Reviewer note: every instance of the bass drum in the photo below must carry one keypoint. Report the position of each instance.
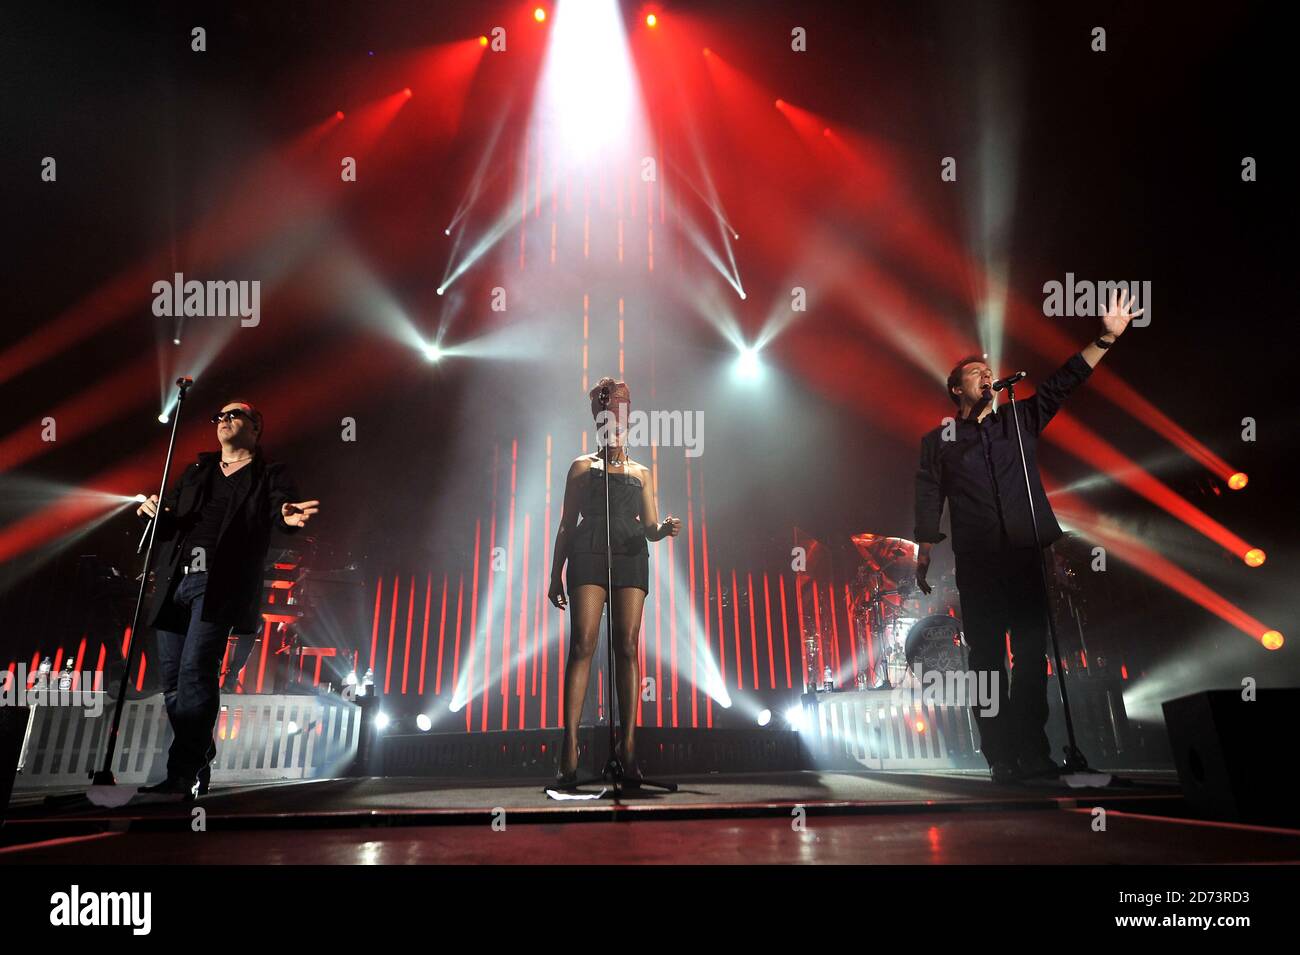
(936, 643)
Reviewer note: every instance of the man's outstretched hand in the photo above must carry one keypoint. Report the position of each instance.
(297, 515)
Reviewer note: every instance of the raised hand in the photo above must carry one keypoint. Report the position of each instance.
(1120, 312)
(297, 515)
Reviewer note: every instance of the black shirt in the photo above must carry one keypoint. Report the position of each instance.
(220, 493)
(978, 471)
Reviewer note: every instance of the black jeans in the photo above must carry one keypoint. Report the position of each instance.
(1002, 591)
(191, 671)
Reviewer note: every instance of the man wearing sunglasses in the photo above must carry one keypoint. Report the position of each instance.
(213, 534)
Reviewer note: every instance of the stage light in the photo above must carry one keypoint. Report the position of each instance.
(920, 726)
(446, 232)
(764, 717)
(482, 41)
(747, 367)
(424, 723)
(432, 352)
(707, 51)
(292, 728)
(587, 109)
(1253, 557)
(163, 418)
(780, 104)
(338, 114)
(140, 498)
(407, 92)
(539, 15)
(1238, 481)
(440, 290)
(1272, 640)
(381, 721)
(176, 341)
(651, 20)
(797, 718)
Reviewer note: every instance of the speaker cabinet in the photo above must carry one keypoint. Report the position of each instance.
(1232, 754)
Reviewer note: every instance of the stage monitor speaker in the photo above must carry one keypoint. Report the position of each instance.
(1232, 756)
(13, 726)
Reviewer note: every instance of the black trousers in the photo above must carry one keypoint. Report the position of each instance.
(191, 671)
(1002, 591)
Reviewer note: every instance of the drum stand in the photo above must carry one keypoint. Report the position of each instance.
(876, 633)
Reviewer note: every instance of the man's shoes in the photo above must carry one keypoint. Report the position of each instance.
(1004, 772)
(1037, 767)
(204, 781)
(171, 789)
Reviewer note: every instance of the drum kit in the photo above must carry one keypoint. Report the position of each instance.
(898, 629)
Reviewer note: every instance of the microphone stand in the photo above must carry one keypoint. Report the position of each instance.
(1075, 761)
(614, 773)
(105, 775)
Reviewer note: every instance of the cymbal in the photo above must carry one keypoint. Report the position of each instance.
(895, 557)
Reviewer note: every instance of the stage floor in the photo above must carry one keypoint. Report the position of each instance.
(917, 818)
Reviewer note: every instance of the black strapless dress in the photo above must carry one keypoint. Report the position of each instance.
(631, 558)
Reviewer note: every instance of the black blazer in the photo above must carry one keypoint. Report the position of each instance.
(234, 590)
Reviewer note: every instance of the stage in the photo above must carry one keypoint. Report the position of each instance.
(412, 405)
(847, 818)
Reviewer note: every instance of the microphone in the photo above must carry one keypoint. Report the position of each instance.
(1003, 383)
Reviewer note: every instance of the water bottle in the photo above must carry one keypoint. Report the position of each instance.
(43, 674)
(828, 680)
(65, 678)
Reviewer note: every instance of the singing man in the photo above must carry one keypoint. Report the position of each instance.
(978, 471)
(213, 535)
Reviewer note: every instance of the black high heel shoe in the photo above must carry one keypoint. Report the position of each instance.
(632, 775)
(565, 780)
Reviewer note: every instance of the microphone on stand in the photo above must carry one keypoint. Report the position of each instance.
(604, 403)
(1003, 383)
(184, 383)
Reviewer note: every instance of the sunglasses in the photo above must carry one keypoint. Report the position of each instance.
(231, 415)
